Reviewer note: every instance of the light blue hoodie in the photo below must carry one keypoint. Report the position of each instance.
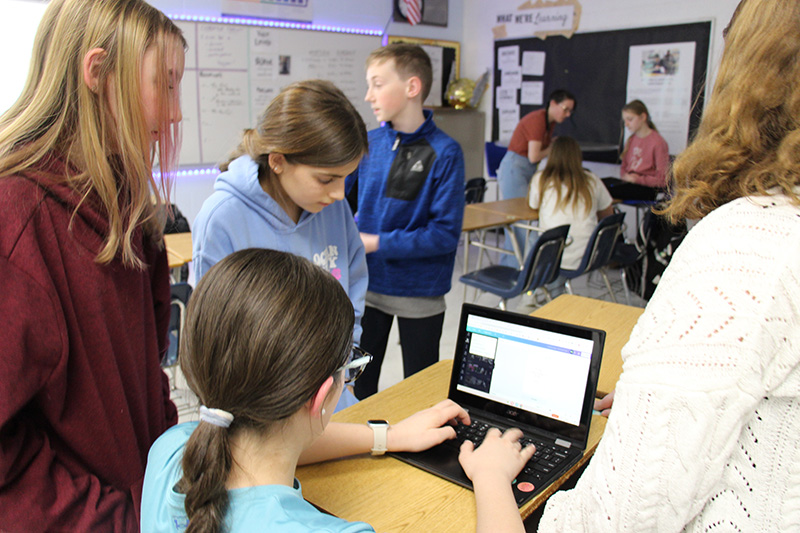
(241, 215)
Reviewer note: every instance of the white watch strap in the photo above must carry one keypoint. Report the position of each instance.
(379, 436)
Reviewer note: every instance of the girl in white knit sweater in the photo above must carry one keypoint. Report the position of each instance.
(702, 435)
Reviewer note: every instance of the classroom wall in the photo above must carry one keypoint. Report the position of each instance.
(190, 191)
(597, 15)
(373, 14)
(469, 23)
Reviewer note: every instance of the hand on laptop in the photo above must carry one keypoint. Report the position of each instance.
(604, 405)
(499, 456)
(426, 428)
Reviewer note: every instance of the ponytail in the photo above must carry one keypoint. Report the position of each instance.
(206, 464)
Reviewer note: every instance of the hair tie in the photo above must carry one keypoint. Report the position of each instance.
(216, 417)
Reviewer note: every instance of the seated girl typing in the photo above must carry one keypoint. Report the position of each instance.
(269, 367)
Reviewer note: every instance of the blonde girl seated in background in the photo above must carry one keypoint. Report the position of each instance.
(267, 349)
(565, 193)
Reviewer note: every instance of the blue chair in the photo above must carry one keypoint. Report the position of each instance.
(540, 268)
(181, 292)
(598, 251)
(494, 154)
(474, 191)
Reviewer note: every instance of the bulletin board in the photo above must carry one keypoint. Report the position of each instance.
(594, 67)
(445, 60)
(233, 71)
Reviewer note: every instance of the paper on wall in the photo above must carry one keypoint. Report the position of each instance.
(532, 93)
(508, 118)
(508, 57)
(505, 97)
(533, 63)
(660, 75)
(511, 78)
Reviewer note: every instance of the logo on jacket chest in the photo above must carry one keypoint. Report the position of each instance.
(327, 259)
(410, 170)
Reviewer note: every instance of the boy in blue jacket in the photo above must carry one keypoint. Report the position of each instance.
(410, 190)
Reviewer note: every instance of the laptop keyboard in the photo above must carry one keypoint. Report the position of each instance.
(546, 458)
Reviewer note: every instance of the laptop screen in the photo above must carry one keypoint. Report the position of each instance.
(534, 371)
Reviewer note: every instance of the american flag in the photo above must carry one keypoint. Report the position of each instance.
(412, 10)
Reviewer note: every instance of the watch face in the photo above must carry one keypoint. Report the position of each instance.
(377, 422)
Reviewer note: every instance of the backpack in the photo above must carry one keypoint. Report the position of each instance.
(176, 222)
(656, 242)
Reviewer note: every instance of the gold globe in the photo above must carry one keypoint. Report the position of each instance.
(460, 92)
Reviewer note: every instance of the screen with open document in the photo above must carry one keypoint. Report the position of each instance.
(539, 371)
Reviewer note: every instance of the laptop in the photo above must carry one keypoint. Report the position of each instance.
(513, 370)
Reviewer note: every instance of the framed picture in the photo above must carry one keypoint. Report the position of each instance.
(445, 60)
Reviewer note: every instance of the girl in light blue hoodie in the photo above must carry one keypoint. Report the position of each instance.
(282, 186)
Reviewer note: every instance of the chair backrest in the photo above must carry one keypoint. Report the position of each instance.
(544, 259)
(601, 243)
(494, 154)
(181, 292)
(474, 190)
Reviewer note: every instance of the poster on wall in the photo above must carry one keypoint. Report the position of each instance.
(299, 10)
(660, 75)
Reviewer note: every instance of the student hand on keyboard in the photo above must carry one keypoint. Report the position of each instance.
(499, 458)
(427, 428)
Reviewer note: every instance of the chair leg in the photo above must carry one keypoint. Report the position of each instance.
(608, 285)
(547, 294)
(568, 286)
(625, 288)
(503, 305)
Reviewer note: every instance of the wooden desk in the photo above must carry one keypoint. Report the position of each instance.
(392, 495)
(482, 216)
(516, 207)
(179, 248)
(616, 320)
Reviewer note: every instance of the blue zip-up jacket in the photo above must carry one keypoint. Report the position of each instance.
(239, 215)
(411, 194)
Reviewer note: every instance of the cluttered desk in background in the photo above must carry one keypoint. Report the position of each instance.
(394, 496)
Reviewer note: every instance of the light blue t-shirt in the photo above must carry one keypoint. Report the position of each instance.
(272, 508)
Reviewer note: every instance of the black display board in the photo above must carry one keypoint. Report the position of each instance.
(594, 67)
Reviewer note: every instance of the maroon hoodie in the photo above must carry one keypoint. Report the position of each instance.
(82, 395)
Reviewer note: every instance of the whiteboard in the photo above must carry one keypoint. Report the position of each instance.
(233, 71)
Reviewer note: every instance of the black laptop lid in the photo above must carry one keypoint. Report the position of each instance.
(535, 374)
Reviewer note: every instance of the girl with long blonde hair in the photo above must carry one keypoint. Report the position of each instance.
(565, 193)
(83, 270)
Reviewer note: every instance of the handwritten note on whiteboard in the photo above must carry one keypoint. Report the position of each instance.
(233, 72)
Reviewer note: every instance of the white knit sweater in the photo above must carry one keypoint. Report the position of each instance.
(704, 434)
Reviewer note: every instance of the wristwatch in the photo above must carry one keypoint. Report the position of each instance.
(380, 428)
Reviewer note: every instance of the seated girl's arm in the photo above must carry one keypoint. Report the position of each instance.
(492, 467)
(418, 432)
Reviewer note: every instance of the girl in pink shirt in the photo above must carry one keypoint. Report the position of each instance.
(645, 158)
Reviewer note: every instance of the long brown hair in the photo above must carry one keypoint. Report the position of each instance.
(264, 330)
(58, 114)
(310, 123)
(565, 168)
(749, 138)
(637, 107)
